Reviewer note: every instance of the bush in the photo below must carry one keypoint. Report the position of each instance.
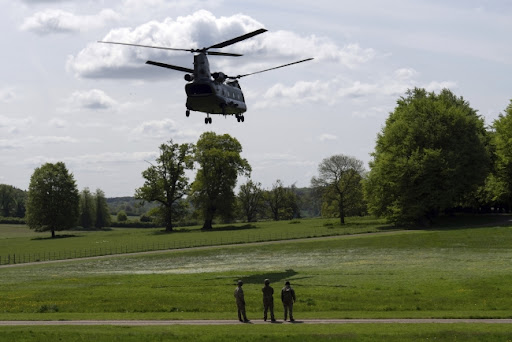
(121, 216)
(12, 220)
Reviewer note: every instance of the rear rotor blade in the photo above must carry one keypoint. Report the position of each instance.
(281, 66)
(146, 46)
(237, 39)
(214, 53)
(169, 66)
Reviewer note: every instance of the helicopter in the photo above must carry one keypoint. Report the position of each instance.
(207, 92)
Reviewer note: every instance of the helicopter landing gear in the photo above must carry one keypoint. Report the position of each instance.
(239, 118)
(187, 113)
(208, 120)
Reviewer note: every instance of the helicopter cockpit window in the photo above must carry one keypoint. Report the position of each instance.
(200, 89)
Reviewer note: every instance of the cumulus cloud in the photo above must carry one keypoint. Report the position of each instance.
(15, 125)
(7, 94)
(93, 99)
(327, 137)
(53, 21)
(203, 29)
(163, 129)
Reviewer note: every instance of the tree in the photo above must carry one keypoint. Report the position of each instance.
(87, 210)
(53, 199)
(250, 197)
(502, 143)
(121, 216)
(166, 182)
(12, 201)
(339, 181)
(220, 164)
(102, 211)
(282, 201)
(430, 156)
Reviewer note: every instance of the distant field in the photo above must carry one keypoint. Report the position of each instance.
(18, 244)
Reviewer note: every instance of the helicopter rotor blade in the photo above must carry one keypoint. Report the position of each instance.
(169, 66)
(146, 46)
(281, 66)
(237, 39)
(214, 53)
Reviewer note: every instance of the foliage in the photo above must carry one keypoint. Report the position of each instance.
(220, 164)
(87, 209)
(121, 216)
(282, 202)
(53, 199)
(431, 155)
(102, 211)
(340, 181)
(501, 181)
(166, 182)
(250, 197)
(12, 201)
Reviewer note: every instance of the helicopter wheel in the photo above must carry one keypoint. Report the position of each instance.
(242, 118)
(207, 120)
(237, 118)
(187, 113)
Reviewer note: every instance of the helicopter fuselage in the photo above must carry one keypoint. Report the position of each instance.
(215, 98)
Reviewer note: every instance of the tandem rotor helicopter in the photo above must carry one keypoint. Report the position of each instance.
(207, 92)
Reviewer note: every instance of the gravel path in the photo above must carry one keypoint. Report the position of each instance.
(231, 322)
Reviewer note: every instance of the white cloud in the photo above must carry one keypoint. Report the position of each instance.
(7, 94)
(53, 21)
(93, 99)
(163, 129)
(327, 137)
(203, 29)
(58, 123)
(15, 125)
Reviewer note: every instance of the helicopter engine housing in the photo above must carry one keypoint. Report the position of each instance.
(219, 77)
(189, 77)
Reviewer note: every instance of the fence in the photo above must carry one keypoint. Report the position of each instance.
(14, 258)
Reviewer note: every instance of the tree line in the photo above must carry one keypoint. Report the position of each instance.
(434, 156)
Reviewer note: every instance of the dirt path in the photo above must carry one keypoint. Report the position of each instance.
(232, 322)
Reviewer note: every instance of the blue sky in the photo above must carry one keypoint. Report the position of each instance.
(102, 111)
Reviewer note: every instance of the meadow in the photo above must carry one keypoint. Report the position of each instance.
(452, 271)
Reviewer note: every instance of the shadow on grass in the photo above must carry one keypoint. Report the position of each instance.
(466, 221)
(274, 277)
(231, 228)
(63, 236)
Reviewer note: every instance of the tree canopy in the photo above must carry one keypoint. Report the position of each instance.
(340, 181)
(431, 154)
(220, 164)
(166, 182)
(53, 199)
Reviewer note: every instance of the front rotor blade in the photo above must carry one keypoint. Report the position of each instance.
(237, 39)
(223, 54)
(169, 66)
(281, 66)
(146, 46)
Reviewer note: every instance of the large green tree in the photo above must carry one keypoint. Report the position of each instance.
(282, 202)
(430, 156)
(53, 199)
(102, 211)
(166, 182)
(12, 201)
(220, 164)
(87, 209)
(250, 197)
(340, 181)
(501, 180)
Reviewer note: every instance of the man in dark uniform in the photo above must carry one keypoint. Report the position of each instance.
(268, 301)
(288, 298)
(240, 302)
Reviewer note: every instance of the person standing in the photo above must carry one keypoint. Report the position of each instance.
(240, 302)
(288, 298)
(268, 301)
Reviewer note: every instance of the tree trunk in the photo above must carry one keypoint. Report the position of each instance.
(342, 211)
(168, 219)
(53, 234)
(207, 224)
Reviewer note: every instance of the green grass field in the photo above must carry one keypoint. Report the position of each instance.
(454, 271)
(18, 244)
